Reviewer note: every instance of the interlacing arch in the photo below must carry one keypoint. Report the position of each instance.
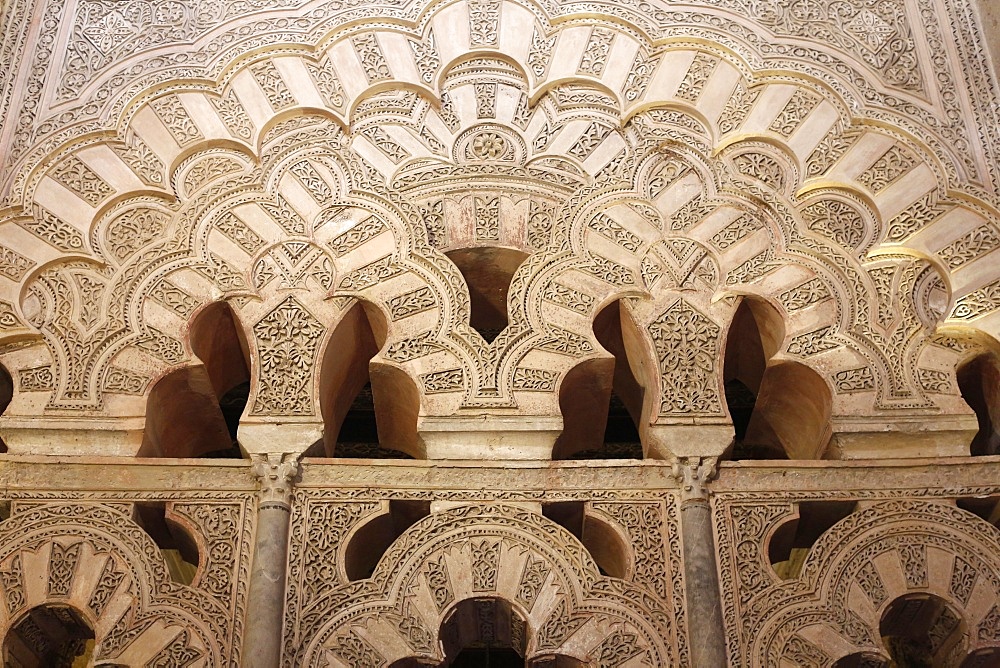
(676, 176)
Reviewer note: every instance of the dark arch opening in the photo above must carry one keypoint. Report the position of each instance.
(195, 411)
(921, 629)
(603, 543)
(861, 660)
(484, 632)
(743, 373)
(488, 272)
(55, 636)
(371, 541)
(780, 408)
(369, 409)
(178, 548)
(987, 657)
(979, 382)
(6, 395)
(791, 542)
(601, 400)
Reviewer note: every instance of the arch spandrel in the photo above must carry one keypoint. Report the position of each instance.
(797, 185)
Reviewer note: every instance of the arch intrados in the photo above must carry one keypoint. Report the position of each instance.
(672, 105)
(208, 145)
(389, 85)
(364, 329)
(549, 85)
(294, 111)
(32, 276)
(816, 191)
(202, 334)
(183, 418)
(479, 53)
(734, 146)
(768, 318)
(607, 545)
(584, 393)
(133, 198)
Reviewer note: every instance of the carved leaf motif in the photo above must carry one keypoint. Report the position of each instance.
(686, 343)
(287, 338)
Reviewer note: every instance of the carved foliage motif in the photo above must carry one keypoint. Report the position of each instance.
(288, 338)
(509, 553)
(562, 142)
(686, 343)
(765, 614)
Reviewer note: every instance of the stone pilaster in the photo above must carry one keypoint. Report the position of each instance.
(701, 573)
(265, 608)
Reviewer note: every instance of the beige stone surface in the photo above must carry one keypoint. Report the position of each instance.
(494, 236)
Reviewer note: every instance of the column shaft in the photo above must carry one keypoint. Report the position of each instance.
(706, 631)
(266, 597)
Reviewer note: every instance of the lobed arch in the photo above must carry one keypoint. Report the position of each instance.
(111, 571)
(637, 19)
(865, 562)
(413, 588)
(796, 122)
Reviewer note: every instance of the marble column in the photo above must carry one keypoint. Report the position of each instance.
(266, 598)
(706, 632)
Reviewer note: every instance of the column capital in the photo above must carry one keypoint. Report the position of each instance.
(275, 473)
(692, 473)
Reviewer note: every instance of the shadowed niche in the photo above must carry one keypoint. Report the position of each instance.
(607, 548)
(195, 411)
(488, 272)
(484, 631)
(55, 636)
(372, 539)
(921, 629)
(6, 395)
(979, 382)
(780, 408)
(178, 548)
(791, 542)
(369, 409)
(601, 400)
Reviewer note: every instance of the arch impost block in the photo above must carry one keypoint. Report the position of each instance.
(863, 437)
(671, 441)
(268, 438)
(73, 435)
(490, 437)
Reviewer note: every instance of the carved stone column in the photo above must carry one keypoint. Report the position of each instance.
(266, 599)
(706, 632)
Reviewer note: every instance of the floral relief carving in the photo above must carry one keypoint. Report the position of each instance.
(686, 343)
(288, 338)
